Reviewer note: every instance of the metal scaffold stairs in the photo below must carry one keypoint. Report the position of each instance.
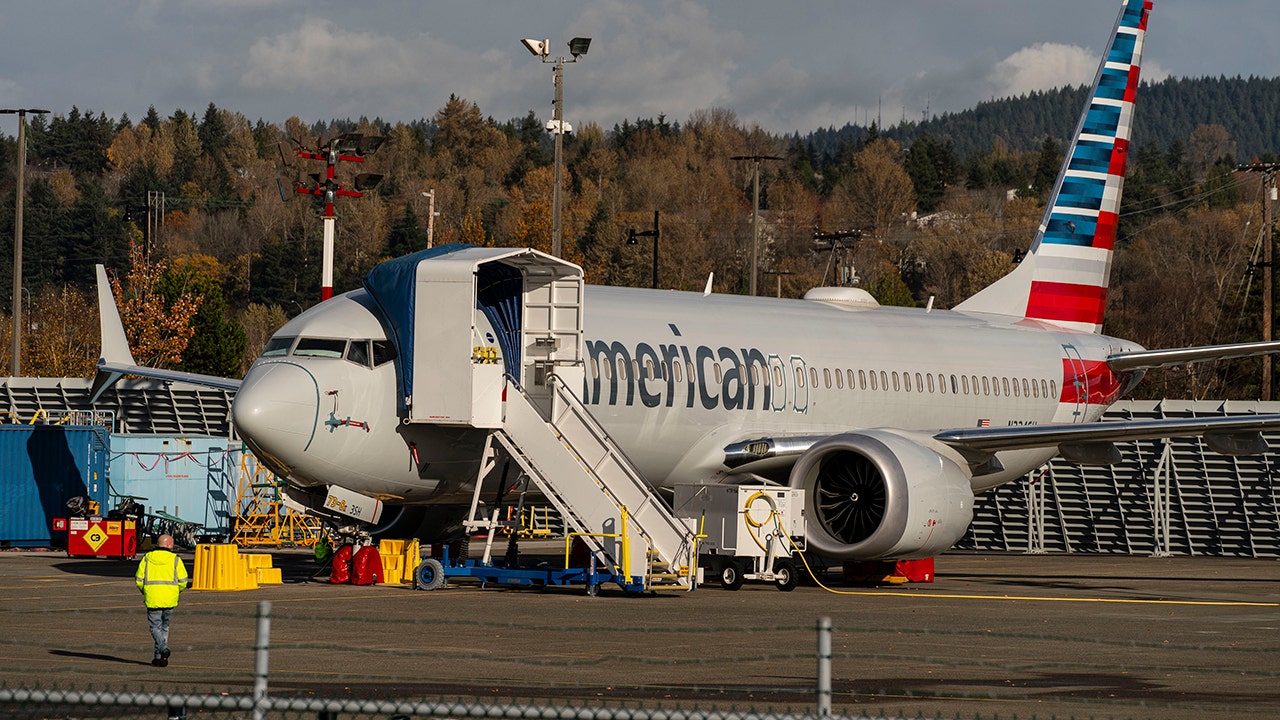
(575, 463)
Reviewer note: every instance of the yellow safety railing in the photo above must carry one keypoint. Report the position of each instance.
(626, 547)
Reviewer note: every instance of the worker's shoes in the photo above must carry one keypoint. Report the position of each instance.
(162, 661)
(164, 654)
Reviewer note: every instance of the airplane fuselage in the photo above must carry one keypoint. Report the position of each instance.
(675, 378)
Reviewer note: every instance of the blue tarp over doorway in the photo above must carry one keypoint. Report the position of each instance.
(392, 285)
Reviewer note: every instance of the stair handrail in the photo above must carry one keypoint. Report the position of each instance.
(583, 415)
(580, 410)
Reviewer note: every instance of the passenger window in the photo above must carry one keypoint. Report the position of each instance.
(920, 383)
(1053, 389)
(862, 380)
(964, 379)
(622, 368)
(1025, 391)
(608, 370)
(930, 376)
(873, 379)
(1004, 384)
(839, 380)
(896, 386)
(849, 375)
(799, 378)
(777, 376)
(813, 377)
(906, 381)
(677, 370)
(826, 377)
(319, 347)
(358, 352)
(986, 385)
(277, 347)
(715, 367)
(884, 381)
(384, 351)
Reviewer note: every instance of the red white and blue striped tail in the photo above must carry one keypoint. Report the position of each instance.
(1063, 279)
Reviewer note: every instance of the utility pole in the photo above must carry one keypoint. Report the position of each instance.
(1268, 171)
(837, 242)
(155, 216)
(431, 215)
(15, 361)
(755, 213)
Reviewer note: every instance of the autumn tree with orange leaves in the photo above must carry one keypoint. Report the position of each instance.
(158, 329)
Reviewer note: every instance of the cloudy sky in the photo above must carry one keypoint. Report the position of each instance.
(789, 65)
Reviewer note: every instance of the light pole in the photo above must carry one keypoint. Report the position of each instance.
(542, 49)
(655, 233)
(755, 211)
(15, 362)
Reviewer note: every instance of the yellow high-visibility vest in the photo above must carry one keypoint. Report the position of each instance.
(161, 576)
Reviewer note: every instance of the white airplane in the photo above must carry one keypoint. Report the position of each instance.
(891, 419)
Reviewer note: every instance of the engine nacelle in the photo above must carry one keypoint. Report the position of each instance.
(877, 494)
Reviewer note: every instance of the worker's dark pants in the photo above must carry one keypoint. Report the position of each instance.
(158, 619)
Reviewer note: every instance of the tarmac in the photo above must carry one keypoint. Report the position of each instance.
(996, 635)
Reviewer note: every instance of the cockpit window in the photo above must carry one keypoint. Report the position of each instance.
(319, 347)
(278, 346)
(383, 352)
(358, 352)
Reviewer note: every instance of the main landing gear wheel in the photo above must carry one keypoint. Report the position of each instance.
(429, 575)
(785, 576)
(730, 576)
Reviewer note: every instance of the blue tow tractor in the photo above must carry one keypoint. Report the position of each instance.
(433, 574)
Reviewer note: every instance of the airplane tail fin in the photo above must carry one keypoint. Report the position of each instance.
(1063, 278)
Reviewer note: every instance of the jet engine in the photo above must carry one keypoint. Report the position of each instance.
(878, 494)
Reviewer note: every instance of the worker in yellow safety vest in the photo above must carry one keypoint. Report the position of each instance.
(161, 577)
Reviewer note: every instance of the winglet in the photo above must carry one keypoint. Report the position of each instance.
(115, 345)
(710, 278)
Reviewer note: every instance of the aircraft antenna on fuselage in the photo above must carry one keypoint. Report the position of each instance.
(1063, 278)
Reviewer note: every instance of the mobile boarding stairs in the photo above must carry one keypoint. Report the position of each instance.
(531, 305)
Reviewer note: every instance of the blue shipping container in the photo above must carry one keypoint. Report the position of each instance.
(43, 466)
(192, 477)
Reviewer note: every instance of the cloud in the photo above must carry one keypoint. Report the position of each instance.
(649, 60)
(1043, 66)
(320, 53)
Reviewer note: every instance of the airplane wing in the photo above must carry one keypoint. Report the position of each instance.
(1092, 443)
(1083, 443)
(117, 360)
(1147, 359)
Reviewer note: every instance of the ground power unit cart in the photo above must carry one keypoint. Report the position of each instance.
(749, 532)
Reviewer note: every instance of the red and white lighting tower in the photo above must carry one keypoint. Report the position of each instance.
(348, 147)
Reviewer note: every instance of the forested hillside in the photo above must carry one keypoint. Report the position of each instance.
(196, 217)
(1169, 110)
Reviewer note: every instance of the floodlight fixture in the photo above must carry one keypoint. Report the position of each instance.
(541, 48)
(578, 46)
(367, 181)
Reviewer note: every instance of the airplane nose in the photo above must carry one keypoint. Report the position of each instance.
(276, 408)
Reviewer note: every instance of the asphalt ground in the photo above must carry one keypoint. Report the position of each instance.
(1048, 636)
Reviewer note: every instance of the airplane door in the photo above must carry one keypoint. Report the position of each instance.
(1075, 382)
(799, 375)
(778, 377)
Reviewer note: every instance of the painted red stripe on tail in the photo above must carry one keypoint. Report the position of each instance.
(1131, 87)
(1066, 302)
(1104, 235)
